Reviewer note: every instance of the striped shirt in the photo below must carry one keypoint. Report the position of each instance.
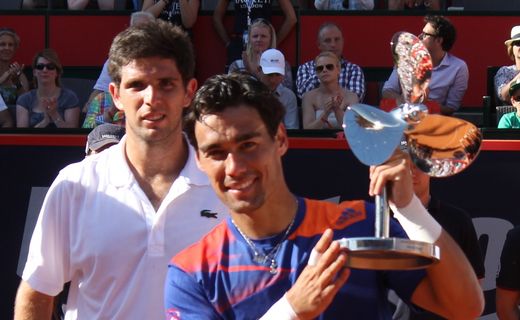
(217, 277)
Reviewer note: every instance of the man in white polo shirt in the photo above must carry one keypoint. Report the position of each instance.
(272, 73)
(110, 223)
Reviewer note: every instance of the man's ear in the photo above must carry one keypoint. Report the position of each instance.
(114, 92)
(191, 88)
(282, 139)
(440, 39)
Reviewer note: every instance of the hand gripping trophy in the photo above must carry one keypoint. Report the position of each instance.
(438, 145)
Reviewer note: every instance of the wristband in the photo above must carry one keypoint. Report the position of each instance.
(281, 310)
(417, 221)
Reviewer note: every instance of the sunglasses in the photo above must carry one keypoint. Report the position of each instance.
(423, 35)
(328, 66)
(49, 66)
(516, 98)
(516, 44)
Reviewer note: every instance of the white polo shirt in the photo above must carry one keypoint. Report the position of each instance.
(98, 230)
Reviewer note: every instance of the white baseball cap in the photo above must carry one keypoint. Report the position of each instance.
(272, 61)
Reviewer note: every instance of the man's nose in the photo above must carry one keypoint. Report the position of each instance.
(235, 164)
(151, 94)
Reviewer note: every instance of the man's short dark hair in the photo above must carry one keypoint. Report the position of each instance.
(153, 39)
(230, 91)
(444, 29)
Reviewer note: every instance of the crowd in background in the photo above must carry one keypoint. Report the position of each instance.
(214, 4)
(252, 34)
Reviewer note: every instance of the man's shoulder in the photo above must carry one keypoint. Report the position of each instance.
(455, 61)
(346, 64)
(336, 215)
(307, 66)
(94, 165)
(284, 91)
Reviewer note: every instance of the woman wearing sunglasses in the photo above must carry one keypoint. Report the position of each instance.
(261, 36)
(49, 105)
(323, 107)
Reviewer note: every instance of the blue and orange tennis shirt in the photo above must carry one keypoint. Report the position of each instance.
(217, 277)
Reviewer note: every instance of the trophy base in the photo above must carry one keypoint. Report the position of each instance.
(389, 253)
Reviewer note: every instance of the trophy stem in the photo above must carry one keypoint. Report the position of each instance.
(382, 217)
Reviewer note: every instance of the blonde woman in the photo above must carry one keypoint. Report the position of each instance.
(49, 105)
(323, 107)
(261, 36)
(12, 80)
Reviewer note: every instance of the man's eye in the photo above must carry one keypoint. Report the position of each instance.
(136, 85)
(248, 145)
(167, 84)
(216, 154)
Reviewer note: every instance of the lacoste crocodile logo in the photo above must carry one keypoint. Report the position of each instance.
(208, 214)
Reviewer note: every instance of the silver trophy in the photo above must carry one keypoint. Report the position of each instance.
(438, 145)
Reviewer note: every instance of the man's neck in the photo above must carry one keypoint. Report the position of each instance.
(437, 57)
(155, 167)
(271, 219)
(148, 158)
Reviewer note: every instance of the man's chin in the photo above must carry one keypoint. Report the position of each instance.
(242, 206)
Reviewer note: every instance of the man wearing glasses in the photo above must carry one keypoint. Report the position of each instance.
(450, 74)
(351, 77)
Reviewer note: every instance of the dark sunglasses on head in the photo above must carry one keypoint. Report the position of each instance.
(49, 66)
(328, 66)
